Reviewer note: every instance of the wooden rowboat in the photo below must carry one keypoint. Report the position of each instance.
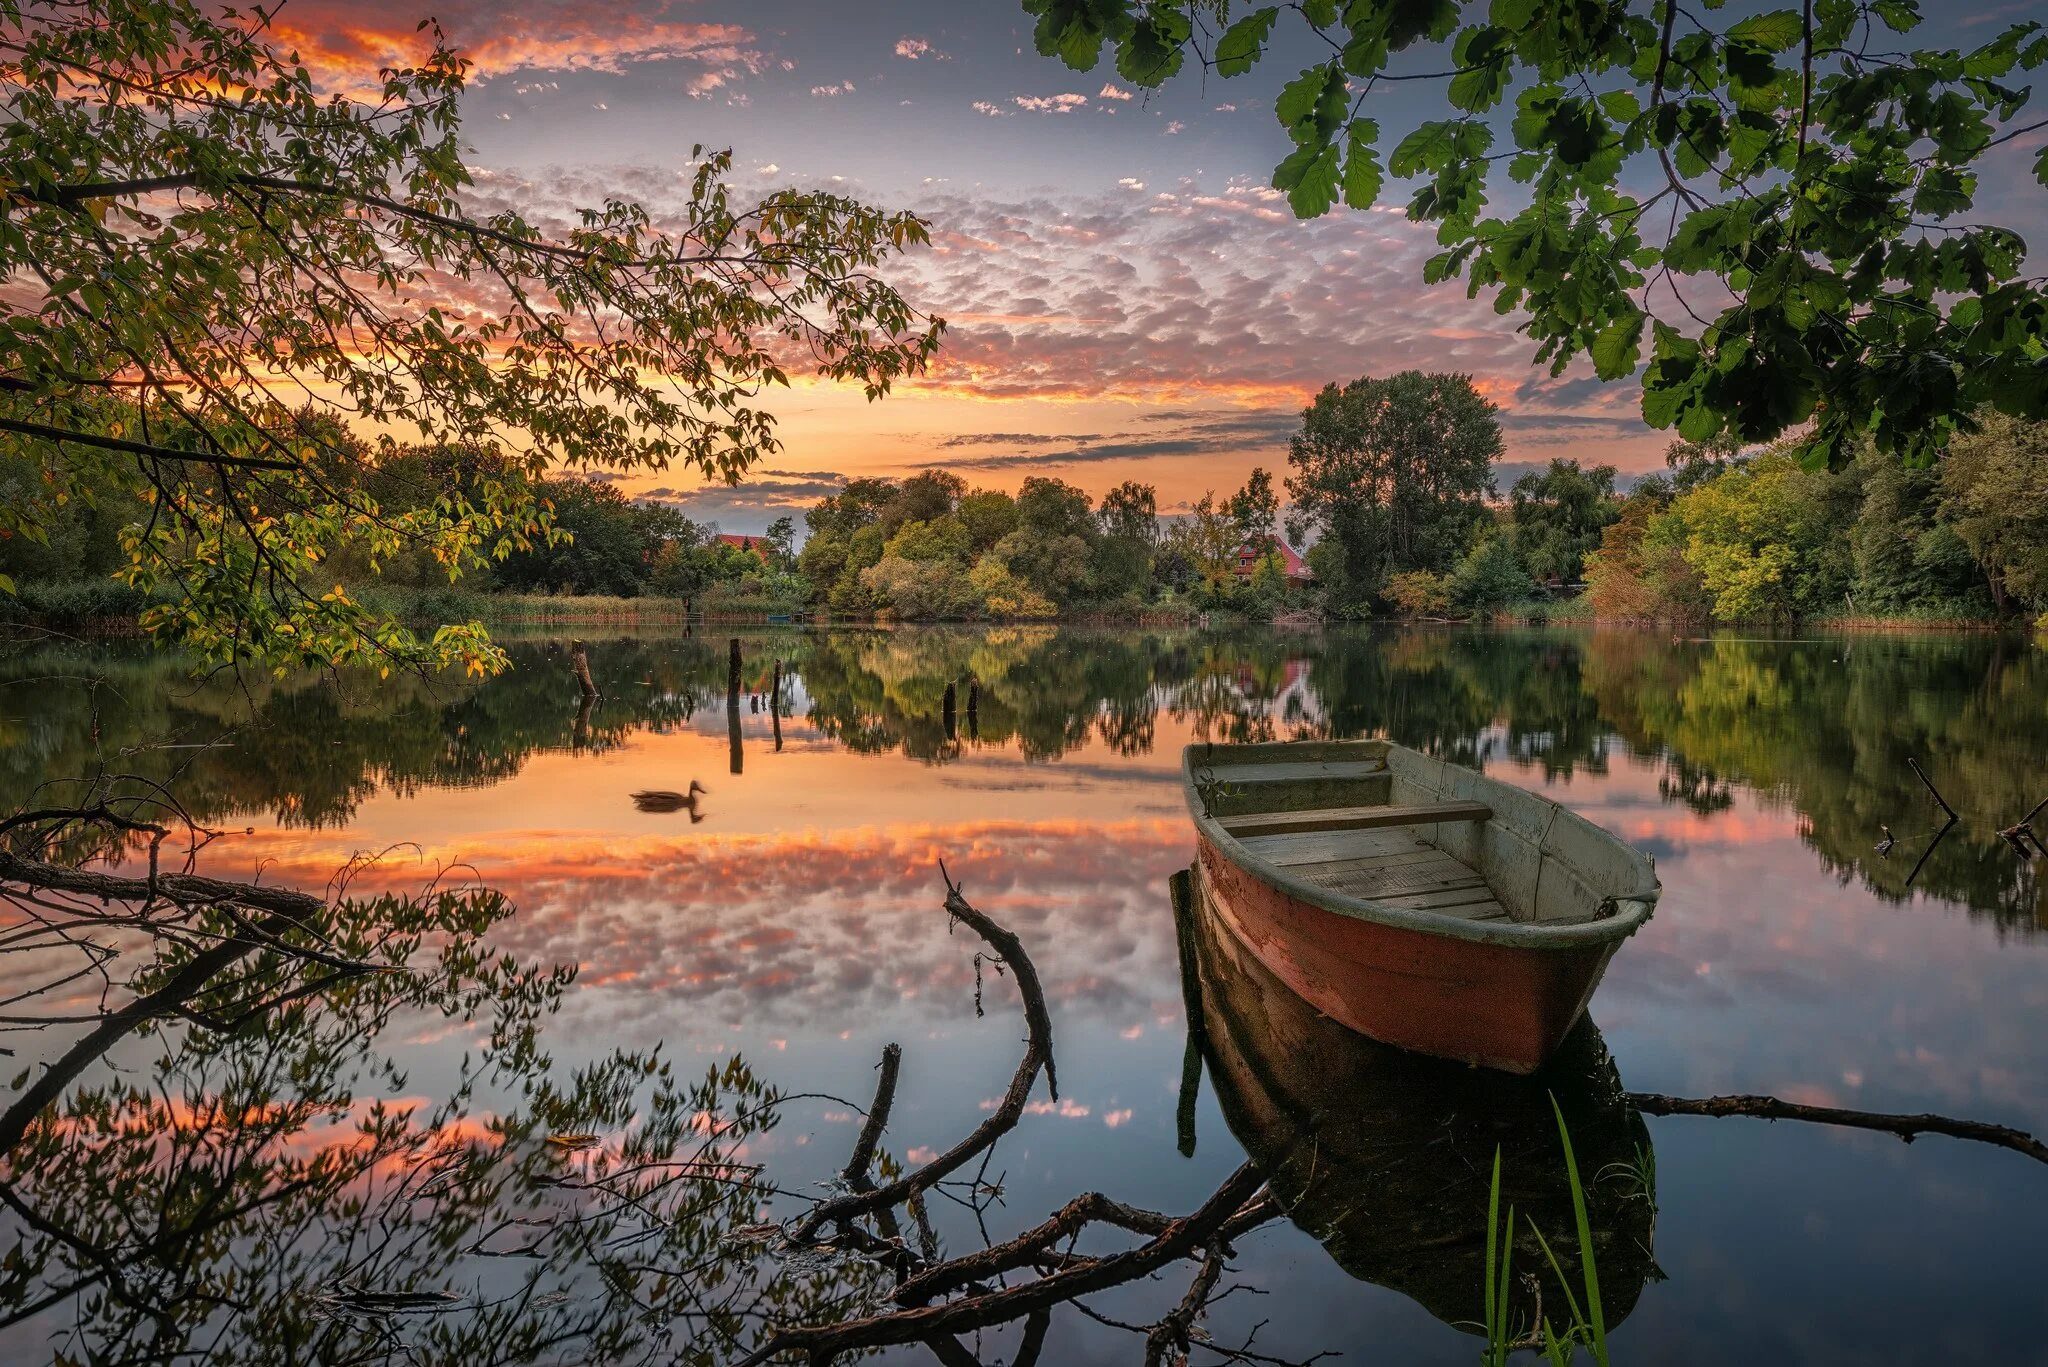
(1414, 901)
(1386, 1157)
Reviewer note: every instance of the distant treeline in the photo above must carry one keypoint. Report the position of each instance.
(1391, 480)
(1728, 536)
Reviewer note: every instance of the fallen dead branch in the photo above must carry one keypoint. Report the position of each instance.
(1906, 1127)
(936, 1300)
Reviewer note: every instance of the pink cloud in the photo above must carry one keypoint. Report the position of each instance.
(347, 45)
(1050, 104)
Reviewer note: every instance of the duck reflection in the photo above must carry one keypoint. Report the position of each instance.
(1386, 1157)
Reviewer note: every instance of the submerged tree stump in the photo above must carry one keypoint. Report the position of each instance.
(579, 659)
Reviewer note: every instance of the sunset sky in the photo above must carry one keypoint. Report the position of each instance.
(1126, 298)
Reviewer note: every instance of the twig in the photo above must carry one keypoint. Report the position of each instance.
(855, 1175)
(1906, 1127)
(1037, 1058)
(1180, 1238)
(1915, 767)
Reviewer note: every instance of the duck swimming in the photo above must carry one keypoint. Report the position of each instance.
(663, 800)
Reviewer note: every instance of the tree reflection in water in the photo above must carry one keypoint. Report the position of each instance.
(240, 1171)
(1823, 727)
(218, 1159)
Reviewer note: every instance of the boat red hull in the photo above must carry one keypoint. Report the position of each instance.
(1500, 1006)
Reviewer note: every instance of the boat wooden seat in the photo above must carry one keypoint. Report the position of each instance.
(1296, 771)
(1354, 818)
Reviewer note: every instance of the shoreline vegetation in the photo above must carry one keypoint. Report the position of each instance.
(92, 608)
(1403, 519)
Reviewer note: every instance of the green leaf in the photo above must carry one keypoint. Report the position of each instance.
(1514, 14)
(1773, 32)
(1362, 177)
(1481, 55)
(1154, 51)
(1943, 191)
(1244, 42)
(1431, 147)
(1310, 178)
(1298, 97)
(1617, 347)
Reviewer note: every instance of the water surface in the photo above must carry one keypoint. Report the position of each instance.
(796, 920)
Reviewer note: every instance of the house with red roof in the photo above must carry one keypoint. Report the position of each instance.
(1245, 560)
(759, 545)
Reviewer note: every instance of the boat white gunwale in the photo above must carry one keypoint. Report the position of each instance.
(1631, 910)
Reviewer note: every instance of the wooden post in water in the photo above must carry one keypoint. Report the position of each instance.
(732, 731)
(732, 704)
(946, 711)
(775, 689)
(579, 658)
(973, 708)
(579, 733)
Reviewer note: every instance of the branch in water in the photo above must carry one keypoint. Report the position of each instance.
(1906, 1127)
(1037, 1056)
(938, 1300)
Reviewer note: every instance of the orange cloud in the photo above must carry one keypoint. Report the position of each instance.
(346, 45)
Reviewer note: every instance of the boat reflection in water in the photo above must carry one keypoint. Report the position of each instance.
(1385, 1157)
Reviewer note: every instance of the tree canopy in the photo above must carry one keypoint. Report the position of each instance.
(1558, 514)
(1391, 474)
(230, 271)
(1771, 215)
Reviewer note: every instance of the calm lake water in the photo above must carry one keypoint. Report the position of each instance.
(797, 921)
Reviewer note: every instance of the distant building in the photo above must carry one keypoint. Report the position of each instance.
(759, 545)
(1292, 565)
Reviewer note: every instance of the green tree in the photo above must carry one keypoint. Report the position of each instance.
(609, 546)
(191, 223)
(944, 538)
(1053, 565)
(1489, 576)
(989, 515)
(1558, 516)
(782, 536)
(1122, 558)
(1822, 178)
(1131, 510)
(857, 505)
(1766, 538)
(924, 497)
(1392, 474)
(1056, 508)
(1207, 540)
(1693, 463)
(1906, 560)
(1994, 492)
(1255, 509)
(920, 590)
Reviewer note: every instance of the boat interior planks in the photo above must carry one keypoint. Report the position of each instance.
(1420, 880)
(1300, 771)
(1418, 902)
(1315, 847)
(1355, 818)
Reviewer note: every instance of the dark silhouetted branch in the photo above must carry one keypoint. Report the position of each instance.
(1906, 1127)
